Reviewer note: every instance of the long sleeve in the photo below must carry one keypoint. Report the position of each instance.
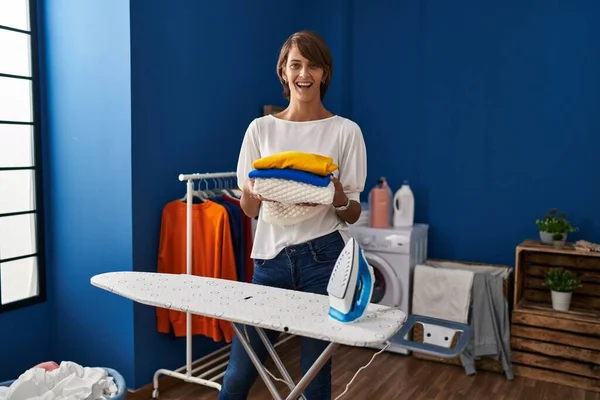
(249, 152)
(353, 162)
(226, 267)
(162, 314)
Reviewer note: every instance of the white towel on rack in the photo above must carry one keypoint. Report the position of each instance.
(442, 293)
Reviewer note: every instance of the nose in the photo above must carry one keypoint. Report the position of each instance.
(304, 71)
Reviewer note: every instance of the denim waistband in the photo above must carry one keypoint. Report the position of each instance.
(316, 243)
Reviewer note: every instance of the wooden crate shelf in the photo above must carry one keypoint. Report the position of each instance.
(534, 259)
(550, 345)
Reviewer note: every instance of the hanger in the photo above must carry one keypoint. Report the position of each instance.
(235, 193)
(224, 188)
(200, 194)
(195, 193)
(206, 194)
(209, 192)
(231, 192)
(217, 190)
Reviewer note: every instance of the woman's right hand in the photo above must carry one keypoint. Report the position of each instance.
(250, 202)
(248, 190)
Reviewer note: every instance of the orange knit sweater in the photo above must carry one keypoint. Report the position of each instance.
(212, 256)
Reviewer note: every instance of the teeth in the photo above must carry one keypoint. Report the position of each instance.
(304, 84)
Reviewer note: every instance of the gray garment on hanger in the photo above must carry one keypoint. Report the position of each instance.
(489, 321)
(489, 316)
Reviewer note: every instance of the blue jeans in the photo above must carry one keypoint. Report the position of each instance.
(305, 267)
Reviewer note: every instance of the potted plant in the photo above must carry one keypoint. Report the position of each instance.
(554, 222)
(561, 282)
(557, 239)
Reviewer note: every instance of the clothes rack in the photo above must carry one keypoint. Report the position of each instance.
(187, 373)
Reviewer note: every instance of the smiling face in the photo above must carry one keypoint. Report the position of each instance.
(304, 77)
(305, 67)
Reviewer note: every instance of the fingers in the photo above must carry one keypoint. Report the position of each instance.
(336, 183)
(339, 190)
(256, 196)
(248, 186)
(248, 190)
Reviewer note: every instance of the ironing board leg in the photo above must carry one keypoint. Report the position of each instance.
(259, 367)
(302, 384)
(312, 371)
(276, 359)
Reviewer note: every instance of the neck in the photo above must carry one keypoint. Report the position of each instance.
(301, 111)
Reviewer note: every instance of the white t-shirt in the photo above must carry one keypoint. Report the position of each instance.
(336, 137)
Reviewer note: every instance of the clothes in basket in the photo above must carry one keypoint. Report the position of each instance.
(69, 380)
(489, 315)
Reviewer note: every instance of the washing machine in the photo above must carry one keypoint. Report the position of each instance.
(393, 254)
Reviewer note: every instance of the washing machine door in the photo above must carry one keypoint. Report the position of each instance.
(386, 289)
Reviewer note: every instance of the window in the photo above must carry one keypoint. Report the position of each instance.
(22, 270)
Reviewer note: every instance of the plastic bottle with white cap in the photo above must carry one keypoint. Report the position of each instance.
(404, 207)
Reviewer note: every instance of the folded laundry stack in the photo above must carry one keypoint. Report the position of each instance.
(288, 181)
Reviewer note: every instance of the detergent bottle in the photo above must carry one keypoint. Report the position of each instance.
(380, 204)
(404, 207)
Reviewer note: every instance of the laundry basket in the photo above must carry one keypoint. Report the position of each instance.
(484, 363)
(118, 379)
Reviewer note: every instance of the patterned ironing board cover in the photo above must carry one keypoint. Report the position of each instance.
(277, 309)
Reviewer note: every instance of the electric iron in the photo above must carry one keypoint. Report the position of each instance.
(351, 284)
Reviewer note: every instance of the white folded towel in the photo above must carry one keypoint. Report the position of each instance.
(442, 293)
(287, 195)
(290, 192)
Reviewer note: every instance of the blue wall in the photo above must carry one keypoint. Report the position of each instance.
(26, 337)
(196, 85)
(86, 119)
(488, 112)
(87, 134)
(199, 76)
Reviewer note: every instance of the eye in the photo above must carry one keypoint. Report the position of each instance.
(294, 65)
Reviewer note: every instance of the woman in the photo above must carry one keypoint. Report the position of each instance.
(301, 256)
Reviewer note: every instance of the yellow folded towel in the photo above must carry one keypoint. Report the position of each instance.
(309, 162)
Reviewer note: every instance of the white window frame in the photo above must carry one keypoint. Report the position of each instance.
(37, 209)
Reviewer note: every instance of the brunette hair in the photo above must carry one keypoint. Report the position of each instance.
(312, 47)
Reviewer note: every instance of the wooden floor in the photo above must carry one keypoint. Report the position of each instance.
(392, 376)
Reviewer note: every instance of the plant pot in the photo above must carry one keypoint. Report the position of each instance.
(558, 244)
(546, 238)
(561, 301)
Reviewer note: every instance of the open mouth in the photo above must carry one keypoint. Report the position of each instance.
(303, 85)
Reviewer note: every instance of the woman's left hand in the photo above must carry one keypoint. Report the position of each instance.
(339, 197)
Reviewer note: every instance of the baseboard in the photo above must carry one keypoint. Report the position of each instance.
(145, 392)
(166, 382)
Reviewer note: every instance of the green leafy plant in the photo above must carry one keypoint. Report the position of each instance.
(557, 236)
(561, 280)
(555, 222)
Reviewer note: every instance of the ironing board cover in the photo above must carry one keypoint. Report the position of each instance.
(277, 309)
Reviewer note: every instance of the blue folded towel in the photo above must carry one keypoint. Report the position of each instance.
(292, 175)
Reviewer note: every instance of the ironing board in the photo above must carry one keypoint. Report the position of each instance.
(263, 307)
